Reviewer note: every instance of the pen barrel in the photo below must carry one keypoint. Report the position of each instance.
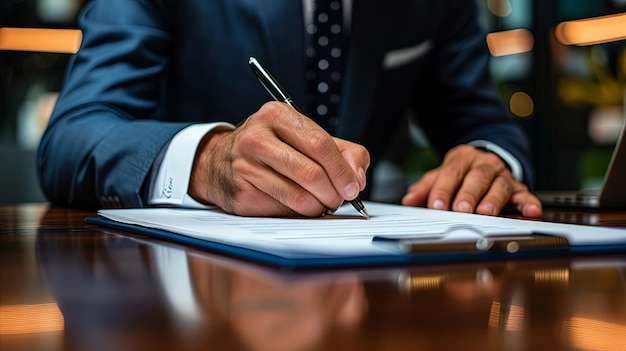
(270, 83)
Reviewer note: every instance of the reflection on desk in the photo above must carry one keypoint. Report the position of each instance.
(607, 218)
(123, 292)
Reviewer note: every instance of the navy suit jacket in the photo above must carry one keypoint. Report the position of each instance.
(148, 68)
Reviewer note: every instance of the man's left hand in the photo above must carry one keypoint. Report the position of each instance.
(473, 181)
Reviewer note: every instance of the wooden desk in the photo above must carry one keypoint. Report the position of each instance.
(67, 285)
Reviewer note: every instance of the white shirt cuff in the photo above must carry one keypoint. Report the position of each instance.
(510, 160)
(172, 168)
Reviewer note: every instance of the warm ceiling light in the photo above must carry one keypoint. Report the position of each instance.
(509, 42)
(63, 41)
(592, 30)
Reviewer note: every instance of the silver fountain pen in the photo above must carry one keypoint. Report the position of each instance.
(280, 94)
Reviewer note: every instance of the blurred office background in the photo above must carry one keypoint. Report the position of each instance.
(29, 82)
(564, 81)
(562, 78)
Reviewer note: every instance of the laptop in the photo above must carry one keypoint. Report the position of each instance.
(612, 194)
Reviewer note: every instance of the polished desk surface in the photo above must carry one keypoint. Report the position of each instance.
(68, 285)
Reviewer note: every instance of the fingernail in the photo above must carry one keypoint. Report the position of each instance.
(487, 208)
(351, 191)
(438, 205)
(531, 211)
(464, 206)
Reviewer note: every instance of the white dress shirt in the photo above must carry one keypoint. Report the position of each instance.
(171, 171)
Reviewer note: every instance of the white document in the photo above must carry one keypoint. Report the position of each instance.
(346, 233)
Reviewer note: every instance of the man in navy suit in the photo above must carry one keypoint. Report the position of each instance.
(159, 107)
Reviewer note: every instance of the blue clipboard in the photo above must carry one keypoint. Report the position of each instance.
(397, 255)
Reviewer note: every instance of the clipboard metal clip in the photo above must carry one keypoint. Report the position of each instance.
(469, 239)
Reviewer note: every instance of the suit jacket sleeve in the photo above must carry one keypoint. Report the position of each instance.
(100, 144)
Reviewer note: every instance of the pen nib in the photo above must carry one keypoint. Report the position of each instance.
(364, 213)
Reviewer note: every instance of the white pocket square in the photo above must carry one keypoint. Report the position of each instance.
(401, 57)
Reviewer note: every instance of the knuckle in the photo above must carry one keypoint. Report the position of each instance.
(459, 150)
(462, 152)
(311, 174)
(249, 141)
(464, 148)
(320, 141)
(491, 157)
(278, 113)
(270, 113)
(300, 202)
(270, 108)
(483, 174)
(238, 166)
(339, 171)
(484, 168)
(493, 160)
(452, 170)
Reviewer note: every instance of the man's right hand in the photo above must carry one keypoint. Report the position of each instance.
(278, 162)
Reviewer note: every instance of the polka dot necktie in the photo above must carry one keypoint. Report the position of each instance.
(325, 55)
